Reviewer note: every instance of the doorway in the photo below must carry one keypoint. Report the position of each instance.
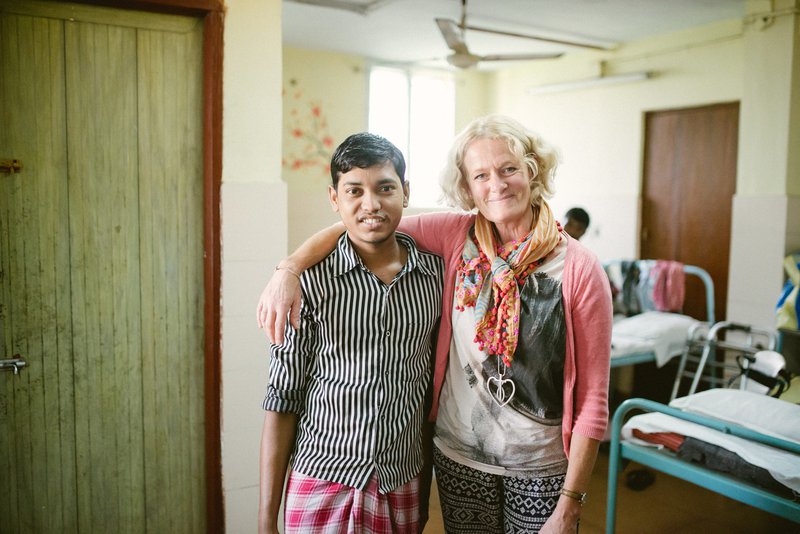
(689, 180)
(687, 194)
(101, 254)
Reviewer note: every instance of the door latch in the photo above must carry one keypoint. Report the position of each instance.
(10, 166)
(14, 364)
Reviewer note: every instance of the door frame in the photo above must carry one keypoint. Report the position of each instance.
(212, 12)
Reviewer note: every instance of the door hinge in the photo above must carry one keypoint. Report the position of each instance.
(10, 166)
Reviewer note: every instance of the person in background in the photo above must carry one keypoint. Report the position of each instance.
(576, 222)
(520, 398)
(346, 392)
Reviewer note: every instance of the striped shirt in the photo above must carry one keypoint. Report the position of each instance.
(357, 370)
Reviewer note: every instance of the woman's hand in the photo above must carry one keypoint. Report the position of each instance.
(582, 455)
(280, 298)
(564, 519)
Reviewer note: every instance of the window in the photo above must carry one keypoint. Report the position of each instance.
(415, 110)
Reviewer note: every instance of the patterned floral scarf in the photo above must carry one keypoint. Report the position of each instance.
(491, 275)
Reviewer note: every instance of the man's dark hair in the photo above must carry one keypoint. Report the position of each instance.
(364, 150)
(579, 215)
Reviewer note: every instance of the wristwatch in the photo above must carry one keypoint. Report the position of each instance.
(579, 496)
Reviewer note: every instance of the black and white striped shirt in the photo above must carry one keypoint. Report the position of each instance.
(357, 371)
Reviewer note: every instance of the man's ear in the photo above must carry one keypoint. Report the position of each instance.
(406, 191)
(333, 198)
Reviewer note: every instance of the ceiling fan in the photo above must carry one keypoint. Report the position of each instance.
(454, 33)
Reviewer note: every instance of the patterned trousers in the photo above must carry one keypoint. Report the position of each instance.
(474, 502)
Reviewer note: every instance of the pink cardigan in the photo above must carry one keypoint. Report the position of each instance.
(587, 311)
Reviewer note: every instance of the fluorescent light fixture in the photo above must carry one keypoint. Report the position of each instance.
(361, 7)
(589, 82)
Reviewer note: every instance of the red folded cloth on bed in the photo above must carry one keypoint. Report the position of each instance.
(670, 440)
(668, 285)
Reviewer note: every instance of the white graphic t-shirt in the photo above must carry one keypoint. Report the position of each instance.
(476, 426)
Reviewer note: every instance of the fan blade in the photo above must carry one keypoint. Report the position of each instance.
(539, 38)
(452, 35)
(514, 57)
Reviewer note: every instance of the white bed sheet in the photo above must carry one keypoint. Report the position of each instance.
(662, 333)
(757, 412)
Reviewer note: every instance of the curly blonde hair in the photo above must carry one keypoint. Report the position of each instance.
(528, 147)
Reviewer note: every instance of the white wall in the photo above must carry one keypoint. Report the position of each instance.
(324, 99)
(254, 230)
(599, 130)
(766, 208)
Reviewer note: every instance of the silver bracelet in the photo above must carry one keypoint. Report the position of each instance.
(279, 268)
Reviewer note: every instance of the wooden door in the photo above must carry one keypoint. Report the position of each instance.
(102, 274)
(687, 194)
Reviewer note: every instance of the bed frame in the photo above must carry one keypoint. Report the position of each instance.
(667, 462)
(644, 357)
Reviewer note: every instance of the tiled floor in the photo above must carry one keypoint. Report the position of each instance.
(668, 506)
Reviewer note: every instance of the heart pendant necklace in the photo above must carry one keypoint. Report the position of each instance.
(496, 386)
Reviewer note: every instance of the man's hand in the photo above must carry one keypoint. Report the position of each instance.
(266, 526)
(280, 298)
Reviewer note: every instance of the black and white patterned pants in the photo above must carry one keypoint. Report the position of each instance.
(474, 502)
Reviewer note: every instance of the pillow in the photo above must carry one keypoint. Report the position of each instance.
(666, 333)
(656, 325)
(761, 413)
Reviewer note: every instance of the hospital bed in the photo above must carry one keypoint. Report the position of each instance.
(734, 440)
(776, 447)
(654, 336)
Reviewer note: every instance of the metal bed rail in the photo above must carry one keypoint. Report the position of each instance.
(699, 272)
(709, 288)
(706, 344)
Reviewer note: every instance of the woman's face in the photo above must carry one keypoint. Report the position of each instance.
(499, 184)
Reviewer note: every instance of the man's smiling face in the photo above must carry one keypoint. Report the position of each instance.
(370, 202)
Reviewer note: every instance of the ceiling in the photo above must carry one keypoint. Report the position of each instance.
(404, 30)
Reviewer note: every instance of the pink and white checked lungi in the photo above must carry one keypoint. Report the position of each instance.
(322, 507)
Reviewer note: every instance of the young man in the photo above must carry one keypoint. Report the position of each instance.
(345, 399)
(576, 222)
